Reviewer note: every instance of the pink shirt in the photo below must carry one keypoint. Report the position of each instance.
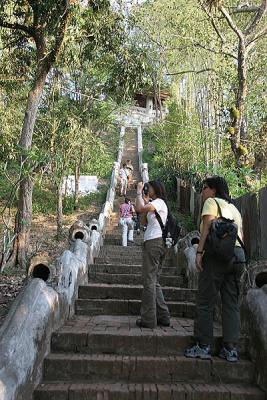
(126, 210)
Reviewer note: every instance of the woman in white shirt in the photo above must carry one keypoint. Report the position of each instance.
(129, 167)
(154, 310)
(123, 173)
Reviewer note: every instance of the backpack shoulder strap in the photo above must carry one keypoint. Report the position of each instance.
(219, 207)
(159, 220)
(159, 217)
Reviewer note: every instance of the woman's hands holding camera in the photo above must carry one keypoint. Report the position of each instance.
(140, 187)
(142, 192)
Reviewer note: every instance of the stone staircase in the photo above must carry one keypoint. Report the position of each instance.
(100, 354)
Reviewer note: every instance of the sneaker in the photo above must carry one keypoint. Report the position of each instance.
(142, 324)
(163, 323)
(229, 355)
(198, 352)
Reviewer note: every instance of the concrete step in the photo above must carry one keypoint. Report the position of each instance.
(125, 292)
(114, 217)
(125, 269)
(120, 250)
(119, 335)
(134, 279)
(131, 307)
(147, 391)
(113, 229)
(116, 240)
(126, 260)
(116, 230)
(69, 367)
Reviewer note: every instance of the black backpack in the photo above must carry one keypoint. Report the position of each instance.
(170, 231)
(222, 237)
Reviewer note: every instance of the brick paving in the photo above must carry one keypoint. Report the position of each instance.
(100, 354)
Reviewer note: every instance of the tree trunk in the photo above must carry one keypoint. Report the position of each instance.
(24, 219)
(239, 135)
(260, 164)
(155, 98)
(242, 90)
(66, 187)
(59, 210)
(159, 101)
(217, 133)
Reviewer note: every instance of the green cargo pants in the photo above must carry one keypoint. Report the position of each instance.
(217, 277)
(154, 307)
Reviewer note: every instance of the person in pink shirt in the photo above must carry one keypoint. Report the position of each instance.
(126, 221)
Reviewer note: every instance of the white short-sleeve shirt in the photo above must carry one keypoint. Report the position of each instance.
(153, 230)
(123, 173)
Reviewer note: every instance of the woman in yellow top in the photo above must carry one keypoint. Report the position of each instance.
(216, 275)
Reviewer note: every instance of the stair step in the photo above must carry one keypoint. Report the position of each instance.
(126, 269)
(132, 253)
(147, 391)
(120, 250)
(120, 335)
(131, 307)
(152, 369)
(114, 229)
(118, 260)
(125, 292)
(131, 193)
(116, 239)
(134, 279)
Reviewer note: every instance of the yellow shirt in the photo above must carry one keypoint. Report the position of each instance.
(228, 211)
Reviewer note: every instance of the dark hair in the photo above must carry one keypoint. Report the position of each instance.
(126, 200)
(124, 165)
(220, 185)
(159, 189)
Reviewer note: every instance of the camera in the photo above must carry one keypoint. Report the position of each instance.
(146, 189)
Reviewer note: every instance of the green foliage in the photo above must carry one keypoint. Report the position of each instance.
(84, 202)
(105, 59)
(45, 200)
(172, 149)
(5, 187)
(185, 220)
(177, 143)
(75, 125)
(188, 42)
